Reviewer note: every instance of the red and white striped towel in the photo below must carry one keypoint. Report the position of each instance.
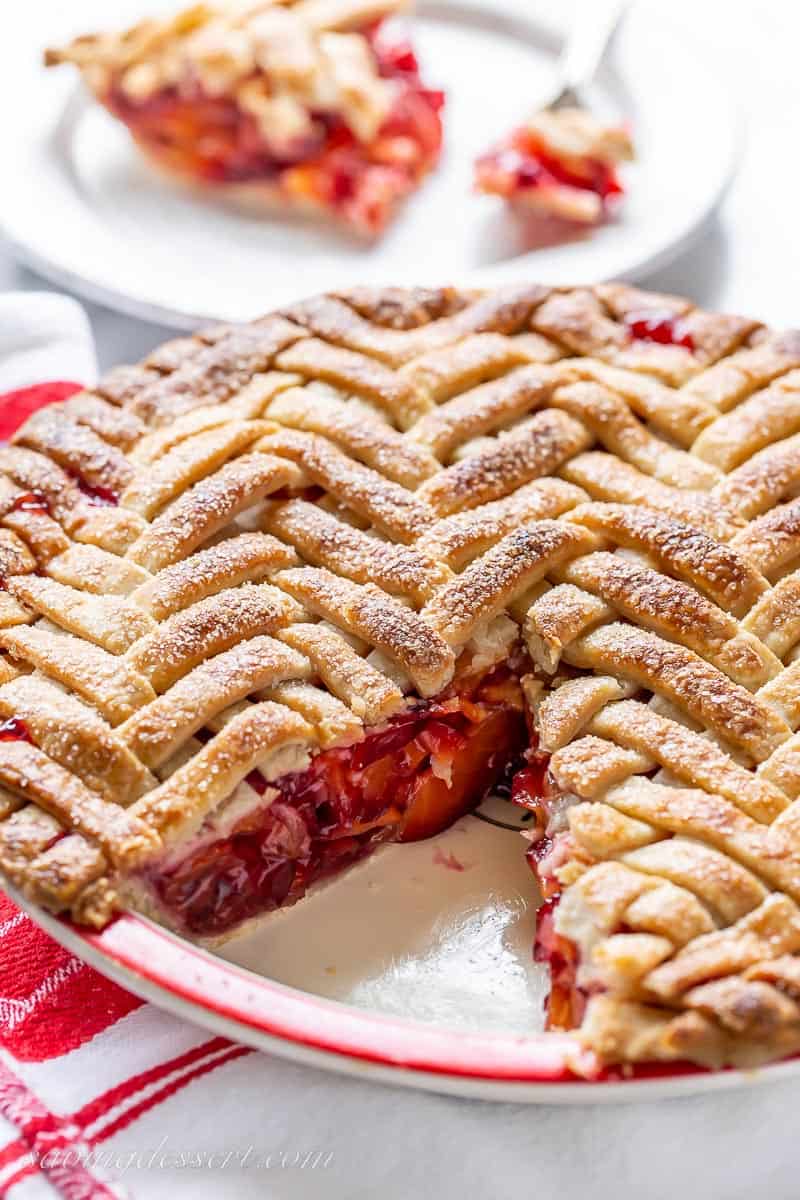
(81, 1060)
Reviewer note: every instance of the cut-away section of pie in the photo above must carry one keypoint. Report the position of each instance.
(409, 779)
(562, 163)
(287, 591)
(295, 105)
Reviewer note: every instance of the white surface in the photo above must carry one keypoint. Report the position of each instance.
(155, 249)
(732, 1146)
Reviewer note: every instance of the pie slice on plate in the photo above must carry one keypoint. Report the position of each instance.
(307, 105)
(561, 163)
(290, 590)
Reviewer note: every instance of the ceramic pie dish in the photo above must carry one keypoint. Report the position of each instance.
(291, 593)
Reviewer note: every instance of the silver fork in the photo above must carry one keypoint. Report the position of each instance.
(584, 51)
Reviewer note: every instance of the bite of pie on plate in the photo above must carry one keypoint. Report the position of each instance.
(293, 105)
(290, 590)
(561, 163)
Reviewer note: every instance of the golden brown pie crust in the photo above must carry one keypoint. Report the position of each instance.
(320, 513)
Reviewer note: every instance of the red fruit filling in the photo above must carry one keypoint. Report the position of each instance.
(35, 502)
(529, 789)
(212, 139)
(659, 325)
(402, 783)
(522, 163)
(101, 497)
(566, 1002)
(14, 730)
(534, 789)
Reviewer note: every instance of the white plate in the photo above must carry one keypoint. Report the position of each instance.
(79, 205)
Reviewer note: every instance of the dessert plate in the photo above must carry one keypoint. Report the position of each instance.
(127, 238)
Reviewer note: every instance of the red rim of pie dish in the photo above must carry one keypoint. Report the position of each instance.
(232, 992)
(155, 963)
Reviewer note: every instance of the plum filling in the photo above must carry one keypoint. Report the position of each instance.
(534, 789)
(523, 164)
(404, 782)
(100, 497)
(566, 1002)
(659, 325)
(94, 494)
(212, 139)
(14, 730)
(529, 789)
(35, 502)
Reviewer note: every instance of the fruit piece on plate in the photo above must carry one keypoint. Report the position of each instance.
(561, 163)
(304, 107)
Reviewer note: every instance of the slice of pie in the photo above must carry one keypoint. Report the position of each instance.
(290, 590)
(303, 105)
(561, 163)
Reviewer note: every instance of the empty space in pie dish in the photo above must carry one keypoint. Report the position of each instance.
(438, 931)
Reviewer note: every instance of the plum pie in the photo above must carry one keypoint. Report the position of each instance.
(290, 590)
(301, 105)
(562, 163)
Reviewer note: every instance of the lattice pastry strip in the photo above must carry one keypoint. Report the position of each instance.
(676, 611)
(325, 541)
(357, 430)
(248, 403)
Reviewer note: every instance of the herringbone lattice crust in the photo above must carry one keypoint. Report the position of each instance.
(266, 539)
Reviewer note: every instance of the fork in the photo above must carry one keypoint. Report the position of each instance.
(584, 51)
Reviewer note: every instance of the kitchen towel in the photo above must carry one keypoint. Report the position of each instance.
(104, 1096)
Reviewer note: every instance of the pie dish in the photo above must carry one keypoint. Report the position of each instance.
(562, 163)
(301, 106)
(286, 591)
